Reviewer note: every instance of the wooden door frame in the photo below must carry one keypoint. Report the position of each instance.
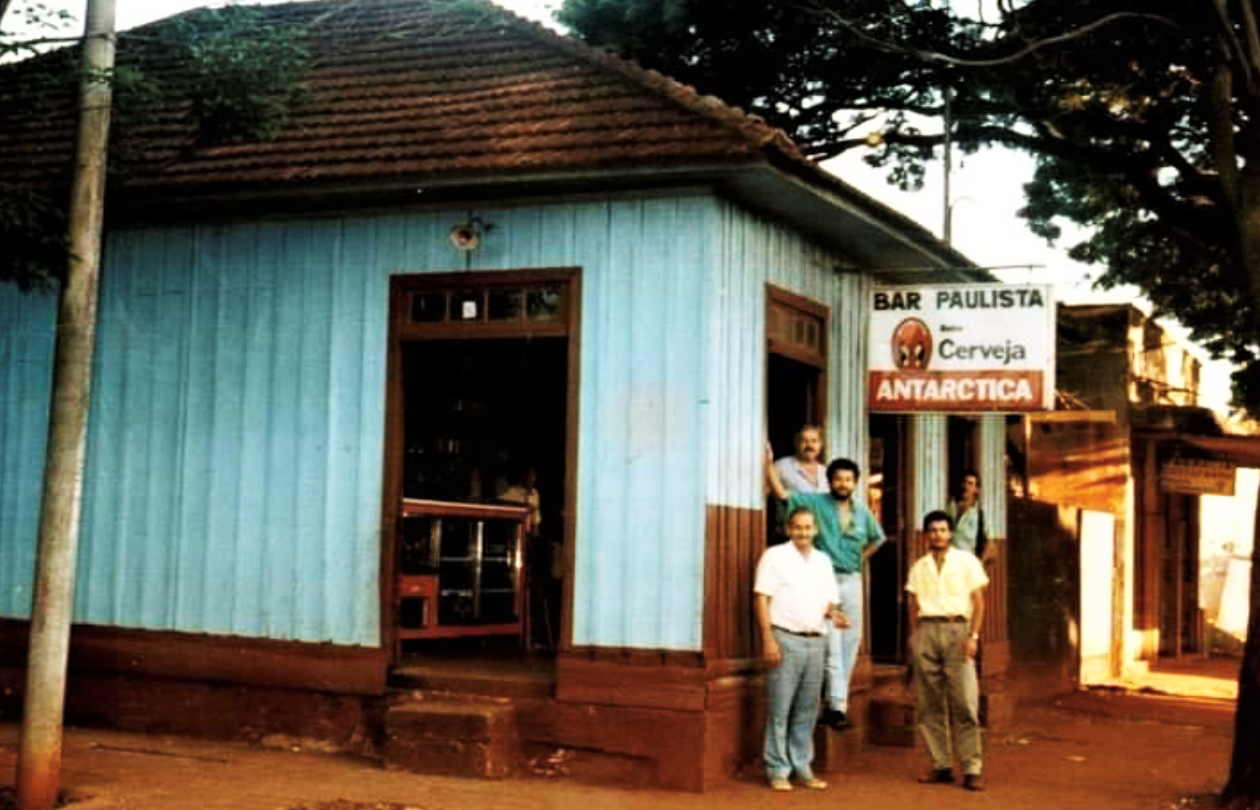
(779, 297)
(401, 331)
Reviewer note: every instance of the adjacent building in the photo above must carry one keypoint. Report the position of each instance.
(1129, 452)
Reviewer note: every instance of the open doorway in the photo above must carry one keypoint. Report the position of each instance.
(963, 436)
(792, 400)
(796, 363)
(888, 567)
(481, 429)
(1180, 617)
(484, 423)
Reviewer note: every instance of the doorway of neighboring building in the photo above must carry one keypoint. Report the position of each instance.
(480, 439)
(796, 375)
(1180, 618)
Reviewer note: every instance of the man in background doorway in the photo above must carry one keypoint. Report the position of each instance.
(804, 471)
(968, 518)
(848, 533)
(946, 588)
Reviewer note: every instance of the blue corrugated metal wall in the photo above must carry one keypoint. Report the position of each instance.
(929, 454)
(639, 575)
(26, 341)
(236, 442)
(757, 252)
(234, 449)
(993, 473)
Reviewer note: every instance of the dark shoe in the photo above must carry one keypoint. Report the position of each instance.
(836, 720)
(972, 781)
(938, 776)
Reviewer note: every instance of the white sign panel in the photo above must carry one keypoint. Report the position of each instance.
(962, 347)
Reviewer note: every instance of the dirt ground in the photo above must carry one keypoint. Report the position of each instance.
(1106, 748)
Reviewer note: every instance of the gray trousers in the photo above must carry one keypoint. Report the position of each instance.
(949, 696)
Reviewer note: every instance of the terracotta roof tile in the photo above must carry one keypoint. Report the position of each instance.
(416, 90)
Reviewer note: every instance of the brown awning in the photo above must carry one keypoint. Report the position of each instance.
(1243, 451)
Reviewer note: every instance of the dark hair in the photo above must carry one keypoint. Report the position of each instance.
(808, 426)
(969, 472)
(843, 464)
(937, 516)
(798, 510)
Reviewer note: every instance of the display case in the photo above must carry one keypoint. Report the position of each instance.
(460, 569)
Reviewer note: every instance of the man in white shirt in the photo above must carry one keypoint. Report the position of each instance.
(796, 600)
(946, 588)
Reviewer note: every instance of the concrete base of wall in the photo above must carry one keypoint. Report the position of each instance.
(259, 714)
(691, 749)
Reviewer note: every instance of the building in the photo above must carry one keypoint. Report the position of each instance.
(1129, 453)
(476, 249)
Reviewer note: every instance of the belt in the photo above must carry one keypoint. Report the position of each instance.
(943, 619)
(794, 633)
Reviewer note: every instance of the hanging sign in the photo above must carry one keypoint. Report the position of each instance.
(1197, 477)
(961, 347)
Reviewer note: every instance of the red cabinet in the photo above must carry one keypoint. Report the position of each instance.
(460, 570)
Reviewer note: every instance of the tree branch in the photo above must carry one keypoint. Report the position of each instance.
(935, 56)
(1221, 140)
(27, 44)
(1232, 45)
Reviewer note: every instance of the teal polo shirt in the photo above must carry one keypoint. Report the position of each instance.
(842, 544)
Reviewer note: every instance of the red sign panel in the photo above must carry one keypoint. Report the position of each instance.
(956, 390)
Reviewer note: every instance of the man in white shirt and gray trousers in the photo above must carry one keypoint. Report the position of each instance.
(796, 599)
(946, 588)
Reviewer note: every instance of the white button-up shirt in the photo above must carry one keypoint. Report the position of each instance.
(801, 587)
(946, 590)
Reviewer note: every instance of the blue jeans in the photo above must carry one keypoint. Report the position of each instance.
(843, 645)
(792, 706)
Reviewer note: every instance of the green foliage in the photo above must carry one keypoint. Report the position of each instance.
(242, 79)
(37, 21)
(239, 78)
(32, 230)
(1143, 116)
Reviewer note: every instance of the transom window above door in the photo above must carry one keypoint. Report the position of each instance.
(533, 302)
(796, 327)
(538, 304)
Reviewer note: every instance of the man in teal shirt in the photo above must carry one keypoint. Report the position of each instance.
(848, 534)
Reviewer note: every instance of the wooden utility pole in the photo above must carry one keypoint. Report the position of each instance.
(39, 757)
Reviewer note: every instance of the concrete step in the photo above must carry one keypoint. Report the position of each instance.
(452, 736)
(834, 750)
(892, 721)
(532, 677)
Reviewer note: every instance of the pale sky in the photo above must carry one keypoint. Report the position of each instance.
(986, 192)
